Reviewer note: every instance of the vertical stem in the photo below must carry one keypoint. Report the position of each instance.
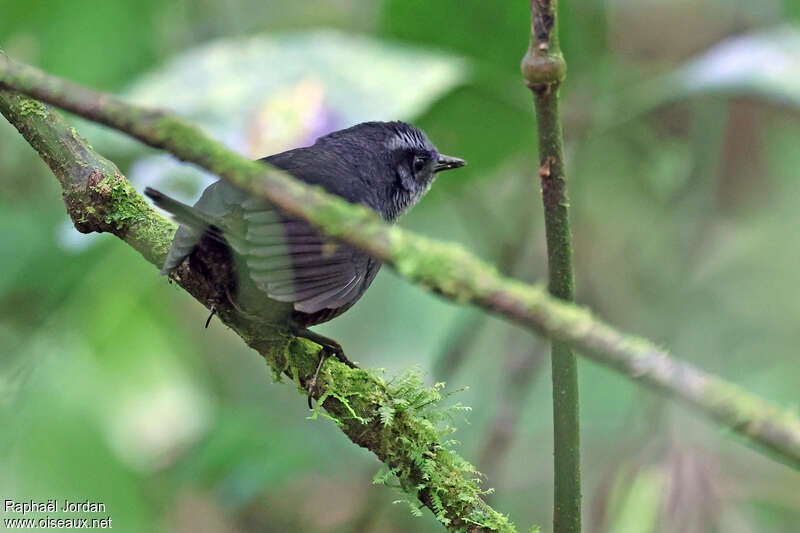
(544, 69)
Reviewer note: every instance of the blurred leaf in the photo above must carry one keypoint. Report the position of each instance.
(268, 93)
(763, 65)
(637, 502)
(464, 27)
(239, 458)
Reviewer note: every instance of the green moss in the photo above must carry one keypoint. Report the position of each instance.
(190, 142)
(409, 422)
(79, 138)
(747, 411)
(28, 106)
(447, 268)
(299, 359)
(282, 351)
(134, 220)
(339, 218)
(127, 206)
(755, 418)
(415, 421)
(350, 387)
(152, 236)
(403, 423)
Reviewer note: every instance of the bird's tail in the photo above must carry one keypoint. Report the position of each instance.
(184, 214)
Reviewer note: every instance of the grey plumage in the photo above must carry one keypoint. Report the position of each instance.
(387, 166)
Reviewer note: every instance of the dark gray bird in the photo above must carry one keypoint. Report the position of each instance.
(387, 166)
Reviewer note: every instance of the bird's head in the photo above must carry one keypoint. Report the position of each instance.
(397, 163)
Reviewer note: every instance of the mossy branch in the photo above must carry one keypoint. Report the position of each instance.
(399, 420)
(444, 268)
(543, 69)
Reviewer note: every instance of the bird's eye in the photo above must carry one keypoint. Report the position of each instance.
(419, 163)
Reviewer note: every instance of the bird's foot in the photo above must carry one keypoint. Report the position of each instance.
(211, 314)
(232, 301)
(311, 386)
(329, 348)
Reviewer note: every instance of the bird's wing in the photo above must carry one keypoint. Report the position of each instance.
(292, 262)
(286, 257)
(289, 259)
(207, 216)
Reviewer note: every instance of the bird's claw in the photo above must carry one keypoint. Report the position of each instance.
(312, 383)
(325, 353)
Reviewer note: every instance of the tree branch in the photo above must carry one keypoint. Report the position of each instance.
(444, 268)
(99, 198)
(544, 68)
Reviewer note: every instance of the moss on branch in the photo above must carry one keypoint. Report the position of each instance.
(409, 442)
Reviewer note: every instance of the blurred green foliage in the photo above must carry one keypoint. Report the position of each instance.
(684, 206)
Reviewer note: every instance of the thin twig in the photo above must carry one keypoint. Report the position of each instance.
(544, 68)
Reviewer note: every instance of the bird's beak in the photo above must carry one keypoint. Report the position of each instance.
(446, 162)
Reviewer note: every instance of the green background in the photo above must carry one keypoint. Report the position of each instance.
(685, 205)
